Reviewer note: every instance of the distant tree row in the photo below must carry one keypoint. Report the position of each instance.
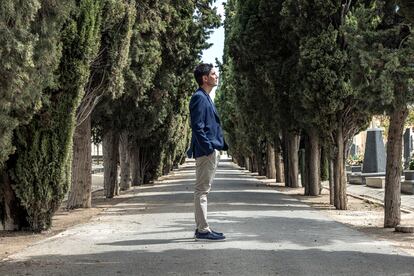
(119, 71)
(310, 74)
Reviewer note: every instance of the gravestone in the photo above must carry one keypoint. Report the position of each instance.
(407, 147)
(374, 157)
(354, 150)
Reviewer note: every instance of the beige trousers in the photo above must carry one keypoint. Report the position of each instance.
(205, 170)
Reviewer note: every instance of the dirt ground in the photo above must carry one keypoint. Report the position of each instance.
(14, 241)
(366, 216)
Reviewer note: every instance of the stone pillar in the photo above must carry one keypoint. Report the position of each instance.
(374, 157)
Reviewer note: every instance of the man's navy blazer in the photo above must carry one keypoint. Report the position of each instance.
(207, 134)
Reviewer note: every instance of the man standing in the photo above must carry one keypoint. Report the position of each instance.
(207, 139)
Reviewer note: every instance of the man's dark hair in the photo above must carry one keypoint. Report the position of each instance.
(203, 69)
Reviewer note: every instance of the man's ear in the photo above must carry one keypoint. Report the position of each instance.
(205, 79)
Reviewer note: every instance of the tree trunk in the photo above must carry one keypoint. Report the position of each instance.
(12, 215)
(392, 198)
(80, 193)
(278, 163)
(168, 165)
(331, 182)
(247, 163)
(285, 153)
(241, 162)
(137, 179)
(110, 144)
(340, 199)
(254, 163)
(313, 163)
(260, 159)
(324, 163)
(294, 160)
(125, 182)
(271, 165)
(304, 170)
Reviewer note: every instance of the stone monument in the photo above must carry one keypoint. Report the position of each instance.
(374, 157)
(407, 147)
(373, 168)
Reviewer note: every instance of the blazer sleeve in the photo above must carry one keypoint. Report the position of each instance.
(197, 114)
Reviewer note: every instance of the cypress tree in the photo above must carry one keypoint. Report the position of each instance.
(85, 42)
(328, 100)
(21, 85)
(39, 170)
(397, 50)
(144, 61)
(383, 43)
(116, 38)
(251, 100)
(225, 95)
(105, 83)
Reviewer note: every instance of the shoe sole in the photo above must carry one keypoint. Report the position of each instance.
(209, 240)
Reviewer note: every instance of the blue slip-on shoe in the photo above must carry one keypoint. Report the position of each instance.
(214, 232)
(208, 236)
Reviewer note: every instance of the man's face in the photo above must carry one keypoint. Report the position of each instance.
(212, 78)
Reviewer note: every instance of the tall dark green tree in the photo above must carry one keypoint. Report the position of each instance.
(144, 61)
(407, 9)
(26, 68)
(225, 95)
(105, 83)
(135, 119)
(384, 46)
(110, 77)
(40, 168)
(244, 46)
(280, 76)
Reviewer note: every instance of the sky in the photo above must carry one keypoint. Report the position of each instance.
(217, 39)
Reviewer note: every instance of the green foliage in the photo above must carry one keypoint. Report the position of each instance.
(407, 9)
(145, 51)
(410, 119)
(107, 73)
(28, 58)
(382, 53)
(246, 114)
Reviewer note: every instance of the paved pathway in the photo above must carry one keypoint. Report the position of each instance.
(268, 234)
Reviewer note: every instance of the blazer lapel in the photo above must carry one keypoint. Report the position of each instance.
(212, 105)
